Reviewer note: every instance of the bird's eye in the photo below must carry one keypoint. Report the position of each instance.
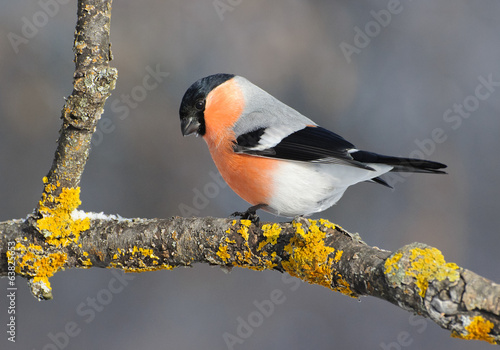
(200, 105)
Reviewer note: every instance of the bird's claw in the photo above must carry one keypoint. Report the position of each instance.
(250, 214)
(247, 215)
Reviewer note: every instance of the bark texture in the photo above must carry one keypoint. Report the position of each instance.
(93, 81)
(416, 277)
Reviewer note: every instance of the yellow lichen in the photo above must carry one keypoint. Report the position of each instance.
(144, 268)
(222, 253)
(115, 265)
(56, 223)
(87, 263)
(243, 230)
(270, 264)
(146, 251)
(271, 232)
(421, 264)
(327, 223)
(309, 257)
(256, 268)
(248, 255)
(338, 255)
(232, 224)
(477, 329)
(143, 257)
(32, 261)
(392, 263)
(140, 254)
(248, 259)
(343, 286)
(246, 223)
(429, 264)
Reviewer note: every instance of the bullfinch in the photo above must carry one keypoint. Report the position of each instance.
(274, 157)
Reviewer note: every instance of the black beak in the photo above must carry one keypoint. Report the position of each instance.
(189, 125)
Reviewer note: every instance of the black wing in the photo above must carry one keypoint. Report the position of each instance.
(310, 144)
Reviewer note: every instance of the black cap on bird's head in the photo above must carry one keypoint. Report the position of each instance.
(192, 107)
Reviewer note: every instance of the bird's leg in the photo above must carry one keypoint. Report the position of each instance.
(250, 213)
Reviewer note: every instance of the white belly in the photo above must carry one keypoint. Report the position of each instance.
(307, 188)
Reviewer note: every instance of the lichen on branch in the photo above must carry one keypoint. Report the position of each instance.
(56, 223)
(416, 277)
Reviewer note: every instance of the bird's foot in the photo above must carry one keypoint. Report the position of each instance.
(250, 213)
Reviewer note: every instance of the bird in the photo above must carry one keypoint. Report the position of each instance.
(275, 158)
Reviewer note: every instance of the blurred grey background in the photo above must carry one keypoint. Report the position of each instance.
(392, 77)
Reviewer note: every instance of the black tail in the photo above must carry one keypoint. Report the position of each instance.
(411, 165)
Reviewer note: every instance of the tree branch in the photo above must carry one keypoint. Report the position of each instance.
(415, 278)
(93, 82)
